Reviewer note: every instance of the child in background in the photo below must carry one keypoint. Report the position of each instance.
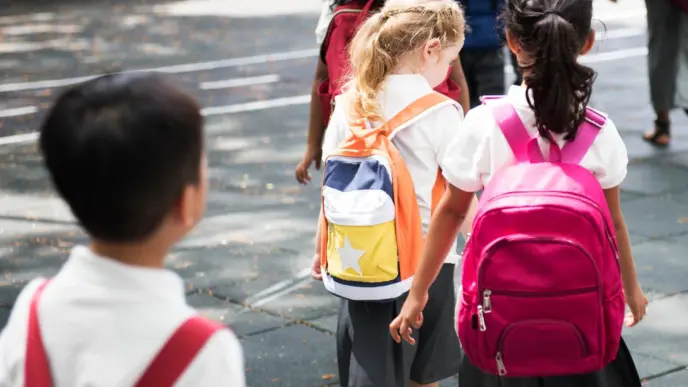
(482, 57)
(318, 117)
(397, 57)
(547, 36)
(125, 151)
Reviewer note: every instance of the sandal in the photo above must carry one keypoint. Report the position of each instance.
(662, 130)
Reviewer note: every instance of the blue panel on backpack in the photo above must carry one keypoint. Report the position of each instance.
(353, 175)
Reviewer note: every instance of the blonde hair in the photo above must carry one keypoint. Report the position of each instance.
(401, 27)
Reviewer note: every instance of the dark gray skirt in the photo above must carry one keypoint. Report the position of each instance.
(619, 373)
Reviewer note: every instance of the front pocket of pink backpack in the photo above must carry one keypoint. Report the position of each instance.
(548, 345)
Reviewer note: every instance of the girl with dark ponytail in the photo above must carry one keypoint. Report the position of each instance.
(547, 37)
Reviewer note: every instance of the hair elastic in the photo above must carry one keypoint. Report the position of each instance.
(551, 12)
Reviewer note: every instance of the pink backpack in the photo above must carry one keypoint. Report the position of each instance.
(542, 293)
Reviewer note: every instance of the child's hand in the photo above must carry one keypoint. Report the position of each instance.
(636, 300)
(302, 174)
(411, 315)
(316, 269)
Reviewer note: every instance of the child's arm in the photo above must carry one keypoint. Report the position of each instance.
(467, 224)
(444, 227)
(458, 76)
(316, 128)
(634, 294)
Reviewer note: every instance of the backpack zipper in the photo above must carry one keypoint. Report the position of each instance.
(500, 364)
(487, 294)
(481, 319)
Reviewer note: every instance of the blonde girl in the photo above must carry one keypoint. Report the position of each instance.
(399, 55)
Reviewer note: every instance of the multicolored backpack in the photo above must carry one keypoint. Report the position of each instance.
(371, 231)
(345, 22)
(541, 284)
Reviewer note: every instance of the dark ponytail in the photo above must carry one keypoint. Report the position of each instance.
(552, 34)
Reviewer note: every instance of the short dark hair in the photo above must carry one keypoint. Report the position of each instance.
(552, 33)
(120, 149)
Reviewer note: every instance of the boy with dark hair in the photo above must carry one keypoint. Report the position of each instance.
(125, 151)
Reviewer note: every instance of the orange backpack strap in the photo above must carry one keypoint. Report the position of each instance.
(36, 364)
(414, 111)
(179, 351)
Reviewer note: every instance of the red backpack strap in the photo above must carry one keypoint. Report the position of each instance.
(574, 151)
(350, 7)
(364, 13)
(36, 365)
(179, 351)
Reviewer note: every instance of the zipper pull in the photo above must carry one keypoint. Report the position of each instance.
(481, 319)
(487, 305)
(500, 364)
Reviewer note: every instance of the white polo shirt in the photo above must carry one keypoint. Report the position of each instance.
(103, 321)
(481, 149)
(423, 145)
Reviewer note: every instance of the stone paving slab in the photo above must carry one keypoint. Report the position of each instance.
(661, 266)
(676, 379)
(328, 323)
(648, 366)
(309, 302)
(242, 320)
(664, 178)
(296, 356)
(656, 217)
(663, 332)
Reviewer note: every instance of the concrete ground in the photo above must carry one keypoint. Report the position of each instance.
(246, 264)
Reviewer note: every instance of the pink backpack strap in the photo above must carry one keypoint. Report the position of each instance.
(575, 150)
(36, 365)
(524, 147)
(179, 351)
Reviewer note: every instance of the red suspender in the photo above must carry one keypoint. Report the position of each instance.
(179, 351)
(36, 366)
(163, 371)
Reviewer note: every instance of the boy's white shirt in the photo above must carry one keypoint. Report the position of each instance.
(102, 322)
(423, 145)
(481, 149)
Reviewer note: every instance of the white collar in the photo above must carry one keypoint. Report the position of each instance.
(400, 90)
(88, 268)
(517, 96)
